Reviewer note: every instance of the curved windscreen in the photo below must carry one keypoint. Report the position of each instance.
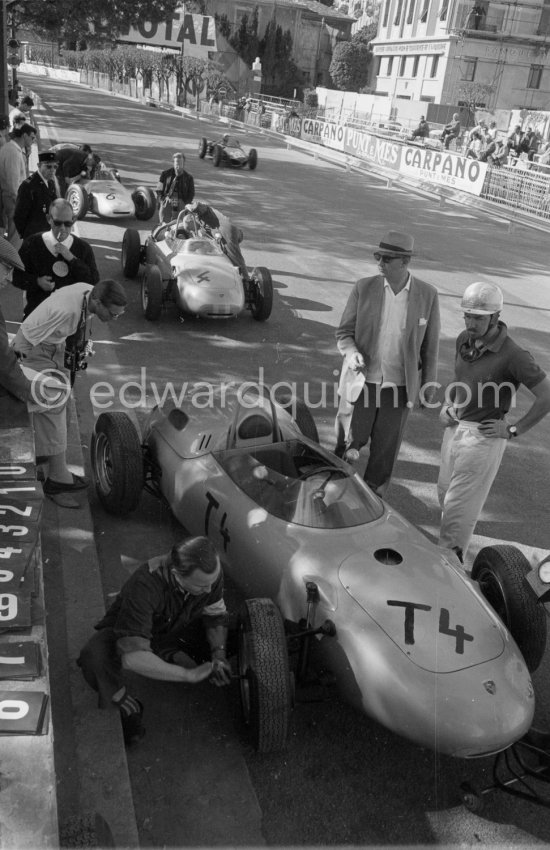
(293, 482)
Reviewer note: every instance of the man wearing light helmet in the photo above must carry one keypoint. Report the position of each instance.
(489, 368)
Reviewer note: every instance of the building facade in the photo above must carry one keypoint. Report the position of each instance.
(494, 53)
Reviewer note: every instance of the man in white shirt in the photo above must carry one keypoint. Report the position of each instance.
(13, 170)
(389, 337)
(40, 344)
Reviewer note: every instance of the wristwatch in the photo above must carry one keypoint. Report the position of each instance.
(512, 431)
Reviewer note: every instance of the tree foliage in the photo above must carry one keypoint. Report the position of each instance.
(474, 94)
(92, 21)
(365, 35)
(279, 70)
(349, 66)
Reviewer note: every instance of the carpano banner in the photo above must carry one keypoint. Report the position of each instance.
(443, 168)
(197, 32)
(422, 164)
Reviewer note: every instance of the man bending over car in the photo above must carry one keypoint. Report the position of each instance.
(232, 235)
(153, 629)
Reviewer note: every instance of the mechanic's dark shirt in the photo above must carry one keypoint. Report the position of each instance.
(151, 605)
(74, 164)
(483, 388)
(39, 261)
(184, 189)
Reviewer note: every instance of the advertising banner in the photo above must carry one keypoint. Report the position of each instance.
(197, 32)
(323, 133)
(443, 169)
(385, 152)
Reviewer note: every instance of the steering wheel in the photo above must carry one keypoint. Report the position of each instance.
(331, 470)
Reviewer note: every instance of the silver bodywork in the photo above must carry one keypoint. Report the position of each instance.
(417, 647)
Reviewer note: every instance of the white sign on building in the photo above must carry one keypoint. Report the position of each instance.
(196, 32)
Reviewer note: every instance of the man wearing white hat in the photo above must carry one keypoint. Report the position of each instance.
(489, 368)
(389, 336)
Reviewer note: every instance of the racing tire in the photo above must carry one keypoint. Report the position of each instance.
(117, 463)
(262, 294)
(77, 196)
(130, 254)
(145, 203)
(252, 159)
(203, 146)
(217, 156)
(301, 414)
(265, 683)
(500, 571)
(151, 293)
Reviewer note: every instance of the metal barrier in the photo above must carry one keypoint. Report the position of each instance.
(519, 189)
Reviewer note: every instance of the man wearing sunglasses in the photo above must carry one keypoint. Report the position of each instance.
(54, 259)
(389, 337)
(34, 197)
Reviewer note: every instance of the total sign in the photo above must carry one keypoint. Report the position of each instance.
(197, 33)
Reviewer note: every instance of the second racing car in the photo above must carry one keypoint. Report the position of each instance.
(228, 151)
(103, 193)
(187, 265)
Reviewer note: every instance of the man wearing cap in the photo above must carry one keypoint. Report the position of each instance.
(54, 259)
(175, 189)
(34, 197)
(389, 337)
(489, 368)
(13, 170)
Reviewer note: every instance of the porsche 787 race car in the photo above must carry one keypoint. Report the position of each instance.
(409, 637)
(105, 195)
(228, 151)
(192, 270)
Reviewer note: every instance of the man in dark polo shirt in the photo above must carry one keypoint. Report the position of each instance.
(489, 368)
(151, 629)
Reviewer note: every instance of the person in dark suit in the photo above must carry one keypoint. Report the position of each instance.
(389, 337)
(34, 197)
(175, 189)
(54, 259)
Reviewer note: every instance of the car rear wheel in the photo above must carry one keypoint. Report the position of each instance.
(500, 571)
(151, 293)
(262, 294)
(145, 203)
(217, 156)
(117, 463)
(252, 158)
(203, 145)
(130, 254)
(266, 690)
(79, 200)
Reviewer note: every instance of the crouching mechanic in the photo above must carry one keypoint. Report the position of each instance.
(232, 235)
(153, 628)
(489, 368)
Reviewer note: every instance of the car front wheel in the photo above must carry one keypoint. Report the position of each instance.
(151, 293)
(266, 691)
(217, 156)
(252, 159)
(501, 571)
(79, 200)
(261, 294)
(117, 463)
(203, 145)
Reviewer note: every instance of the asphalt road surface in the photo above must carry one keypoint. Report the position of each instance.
(343, 779)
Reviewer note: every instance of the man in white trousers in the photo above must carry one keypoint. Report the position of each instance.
(489, 368)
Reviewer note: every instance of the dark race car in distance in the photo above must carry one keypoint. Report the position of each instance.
(228, 151)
